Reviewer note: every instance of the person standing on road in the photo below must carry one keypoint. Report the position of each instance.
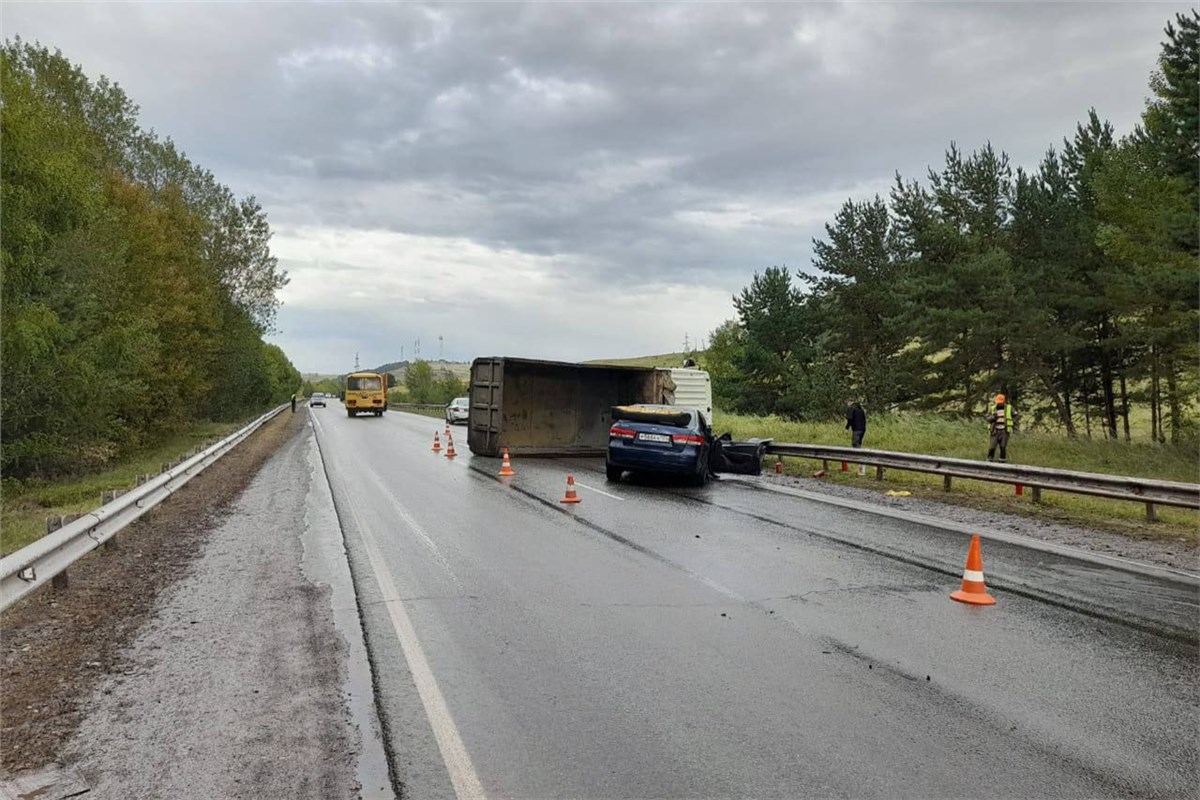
(293, 402)
(856, 422)
(1000, 424)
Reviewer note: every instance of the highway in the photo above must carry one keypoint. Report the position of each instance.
(661, 641)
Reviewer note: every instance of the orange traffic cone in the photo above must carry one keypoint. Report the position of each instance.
(447, 430)
(973, 591)
(570, 496)
(437, 443)
(450, 447)
(506, 470)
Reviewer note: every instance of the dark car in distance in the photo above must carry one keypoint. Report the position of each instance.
(666, 440)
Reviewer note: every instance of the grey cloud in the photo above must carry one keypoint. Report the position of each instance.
(523, 126)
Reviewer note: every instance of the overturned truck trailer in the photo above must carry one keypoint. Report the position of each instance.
(557, 408)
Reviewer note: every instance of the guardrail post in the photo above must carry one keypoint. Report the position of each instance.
(879, 473)
(1151, 513)
(1037, 494)
(1019, 490)
(945, 483)
(59, 581)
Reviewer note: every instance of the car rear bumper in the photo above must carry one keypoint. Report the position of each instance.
(674, 462)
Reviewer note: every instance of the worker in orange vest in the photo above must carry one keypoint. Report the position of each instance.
(1000, 425)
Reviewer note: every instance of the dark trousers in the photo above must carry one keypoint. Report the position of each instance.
(856, 438)
(999, 439)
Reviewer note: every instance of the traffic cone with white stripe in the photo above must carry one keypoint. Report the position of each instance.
(570, 496)
(450, 447)
(973, 590)
(437, 443)
(506, 470)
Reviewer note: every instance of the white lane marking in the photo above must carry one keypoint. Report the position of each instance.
(462, 773)
(415, 526)
(454, 753)
(597, 491)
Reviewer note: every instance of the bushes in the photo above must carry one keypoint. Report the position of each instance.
(136, 288)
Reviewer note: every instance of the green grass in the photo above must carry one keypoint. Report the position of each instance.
(26, 505)
(664, 360)
(937, 436)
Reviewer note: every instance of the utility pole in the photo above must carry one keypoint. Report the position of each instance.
(686, 343)
(417, 345)
(356, 362)
(402, 353)
(439, 348)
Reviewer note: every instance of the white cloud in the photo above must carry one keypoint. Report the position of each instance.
(578, 180)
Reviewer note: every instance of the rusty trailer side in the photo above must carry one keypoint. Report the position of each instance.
(553, 408)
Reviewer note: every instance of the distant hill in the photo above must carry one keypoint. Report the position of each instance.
(399, 368)
(664, 360)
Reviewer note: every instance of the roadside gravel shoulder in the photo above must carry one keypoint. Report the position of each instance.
(1176, 554)
(233, 689)
(196, 659)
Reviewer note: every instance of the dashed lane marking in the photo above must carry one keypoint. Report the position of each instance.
(597, 491)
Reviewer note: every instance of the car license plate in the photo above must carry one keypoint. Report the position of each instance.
(654, 437)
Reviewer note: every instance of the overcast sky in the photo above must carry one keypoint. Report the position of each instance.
(576, 181)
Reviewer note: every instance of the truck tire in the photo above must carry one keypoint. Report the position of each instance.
(350, 412)
(612, 472)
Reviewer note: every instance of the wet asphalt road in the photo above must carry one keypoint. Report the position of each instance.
(659, 641)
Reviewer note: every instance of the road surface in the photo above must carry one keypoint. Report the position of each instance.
(661, 641)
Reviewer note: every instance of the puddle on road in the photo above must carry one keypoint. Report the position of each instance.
(325, 562)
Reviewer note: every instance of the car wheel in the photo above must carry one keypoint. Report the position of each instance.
(349, 412)
(700, 476)
(613, 472)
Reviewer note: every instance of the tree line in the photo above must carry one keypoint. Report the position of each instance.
(425, 385)
(422, 384)
(1072, 288)
(136, 287)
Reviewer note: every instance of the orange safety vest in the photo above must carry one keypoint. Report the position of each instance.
(1002, 419)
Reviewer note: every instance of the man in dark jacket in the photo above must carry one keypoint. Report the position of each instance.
(856, 423)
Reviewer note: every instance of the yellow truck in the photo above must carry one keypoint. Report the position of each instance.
(366, 392)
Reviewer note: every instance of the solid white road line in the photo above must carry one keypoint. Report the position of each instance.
(463, 777)
(414, 526)
(454, 752)
(597, 491)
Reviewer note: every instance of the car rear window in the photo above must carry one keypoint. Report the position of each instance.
(657, 415)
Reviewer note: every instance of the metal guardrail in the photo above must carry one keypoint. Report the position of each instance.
(1115, 487)
(36, 563)
(402, 406)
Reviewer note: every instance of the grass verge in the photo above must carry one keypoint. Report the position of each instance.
(27, 504)
(936, 436)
